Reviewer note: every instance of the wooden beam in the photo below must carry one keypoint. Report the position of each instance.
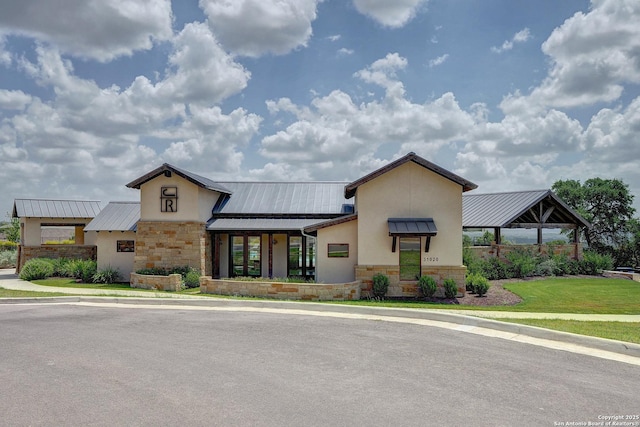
(547, 214)
(545, 225)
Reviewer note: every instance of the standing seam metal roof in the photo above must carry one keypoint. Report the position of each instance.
(116, 216)
(284, 198)
(503, 209)
(47, 208)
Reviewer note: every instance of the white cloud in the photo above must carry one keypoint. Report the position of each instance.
(438, 61)
(257, 27)
(201, 71)
(334, 38)
(392, 14)
(519, 37)
(592, 56)
(334, 132)
(97, 29)
(13, 99)
(345, 52)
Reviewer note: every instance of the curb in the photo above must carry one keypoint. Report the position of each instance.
(621, 347)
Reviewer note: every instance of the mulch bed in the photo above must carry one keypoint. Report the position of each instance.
(496, 295)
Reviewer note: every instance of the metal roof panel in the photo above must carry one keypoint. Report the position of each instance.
(47, 208)
(116, 216)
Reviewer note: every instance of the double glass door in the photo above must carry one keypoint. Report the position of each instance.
(245, 256)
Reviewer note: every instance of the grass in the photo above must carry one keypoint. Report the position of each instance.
(550, 295)
(10, 293)
(621, 331)
(577, 295)
(66, 282)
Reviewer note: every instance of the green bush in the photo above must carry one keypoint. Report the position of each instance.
(37, 268)
(450, 288)
(593, 263)
(427, 285)
(547, 267)
(192, 279)
(86, 270)
(522, 263)
(106, 275)
(495, 269)
(380, 285)
(480, 285)
(8, 259)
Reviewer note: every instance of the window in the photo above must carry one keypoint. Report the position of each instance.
(125, 245)
(302, 257)
(245, 256)
(338, 250)
(409, 258)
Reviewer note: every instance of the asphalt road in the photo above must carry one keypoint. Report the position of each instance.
(66, 365)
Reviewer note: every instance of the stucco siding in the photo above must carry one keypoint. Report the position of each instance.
(192, 202)
(108, 255)
(336, 270)
(409, 191)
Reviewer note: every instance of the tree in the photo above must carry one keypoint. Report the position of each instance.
(607, 205)
(11, 229)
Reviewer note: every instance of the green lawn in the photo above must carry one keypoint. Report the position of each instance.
(9, 293)
(65, 282)
(621, 331)
(577, 295)
(552, 295)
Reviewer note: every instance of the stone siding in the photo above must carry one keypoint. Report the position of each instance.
(172, 244)
(172, 282)
(409, 289)
(501, 251)
(25, 253)
(281, 290)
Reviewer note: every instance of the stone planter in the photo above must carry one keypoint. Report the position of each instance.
(172, 282)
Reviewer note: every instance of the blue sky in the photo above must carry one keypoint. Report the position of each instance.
(510, 95)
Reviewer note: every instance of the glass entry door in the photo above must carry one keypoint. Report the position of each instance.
(245, 256)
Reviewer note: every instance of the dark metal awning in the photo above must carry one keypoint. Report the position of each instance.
(412, 227)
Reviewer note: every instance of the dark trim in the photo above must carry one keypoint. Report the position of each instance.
(198, 180)
(339, 220)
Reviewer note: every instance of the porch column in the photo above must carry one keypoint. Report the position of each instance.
(270, 255)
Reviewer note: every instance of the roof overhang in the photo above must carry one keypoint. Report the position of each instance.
(231, 225)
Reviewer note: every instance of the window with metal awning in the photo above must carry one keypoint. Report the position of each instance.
(412, 227)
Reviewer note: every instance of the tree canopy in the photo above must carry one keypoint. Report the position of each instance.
(607, 205)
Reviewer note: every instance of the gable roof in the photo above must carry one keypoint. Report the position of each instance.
(350, 189)
(509, 209)
(198, 180)
(116, 216)
(48, 208)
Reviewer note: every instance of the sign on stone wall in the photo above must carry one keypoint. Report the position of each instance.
(169, 199)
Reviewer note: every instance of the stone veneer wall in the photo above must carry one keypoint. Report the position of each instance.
(501, 251)
(397, 288)
(172, 282)
(280, 290)
(25, 253)
(161, 244)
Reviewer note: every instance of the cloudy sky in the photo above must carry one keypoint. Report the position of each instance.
(510, 95)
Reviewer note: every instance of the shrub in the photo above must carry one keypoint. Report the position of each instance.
(380, 285)
(427, 285)
(8, 259)
(106, 275)
(480, 285)
(84, 269)
(546, 268)
(495, 269)
(192, 279)
(37, 268)
(593, 263)
(522, 263)
(450, 288)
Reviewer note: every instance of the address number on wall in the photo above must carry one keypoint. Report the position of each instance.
(430, 259)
